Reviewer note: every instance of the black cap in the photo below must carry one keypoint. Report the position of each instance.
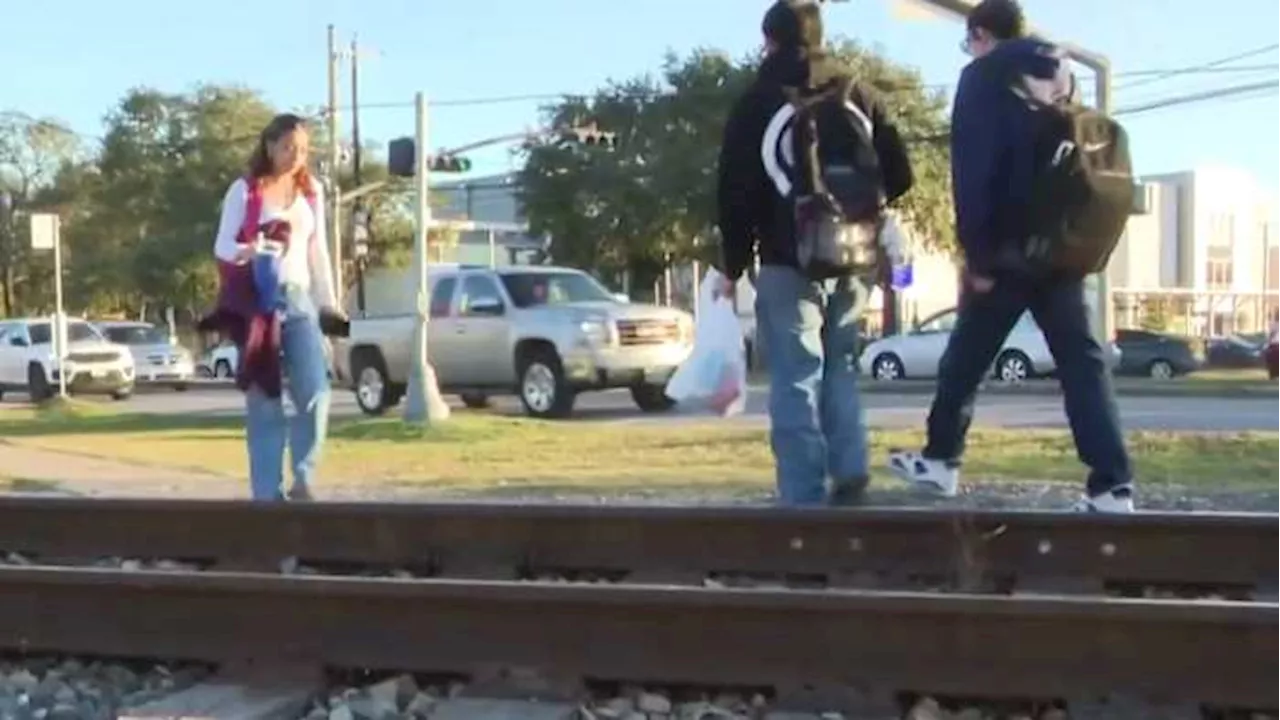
(1002, 18)
(794, 23)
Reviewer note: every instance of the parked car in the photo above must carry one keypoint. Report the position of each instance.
(917, 352)
(1234, 351)
(158, 358)
(543, 333)
(1271, 356)
(219, 361)
(1158, 355)
(92, 364)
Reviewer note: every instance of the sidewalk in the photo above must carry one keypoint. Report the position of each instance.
(34, 471)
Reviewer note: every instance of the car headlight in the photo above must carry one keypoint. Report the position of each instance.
(595, 331)
(685, 326)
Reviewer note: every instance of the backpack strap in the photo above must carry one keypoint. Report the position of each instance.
(252, 209)
(805, 129)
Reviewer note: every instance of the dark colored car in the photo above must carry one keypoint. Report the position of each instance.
(1270, 357)
(1235, 351)
(1157, 355)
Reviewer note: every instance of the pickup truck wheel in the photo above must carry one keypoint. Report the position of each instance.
(122, 394)
(373, 393)
(651, 398)
(544, 392)
(37, 384)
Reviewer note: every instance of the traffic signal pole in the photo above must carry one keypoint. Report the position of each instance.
(335, 157)
(423, 402)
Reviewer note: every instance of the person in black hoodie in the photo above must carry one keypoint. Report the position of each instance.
(993, 163)
(808, 329)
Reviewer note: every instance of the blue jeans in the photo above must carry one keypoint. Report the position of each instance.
(810, 335)
(306, 366)
(982, 324)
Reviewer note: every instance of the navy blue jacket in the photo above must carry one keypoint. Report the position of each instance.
(992, 145)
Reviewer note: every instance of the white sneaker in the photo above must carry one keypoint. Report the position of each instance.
(938, 477)
(1118, 500)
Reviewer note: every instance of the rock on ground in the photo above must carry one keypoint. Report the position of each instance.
(71, 689)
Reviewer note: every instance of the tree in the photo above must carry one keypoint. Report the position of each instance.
(165, 165)
(653, 199)
(32, 152)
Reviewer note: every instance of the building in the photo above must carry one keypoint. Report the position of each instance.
(489, 199)
(1204, 254)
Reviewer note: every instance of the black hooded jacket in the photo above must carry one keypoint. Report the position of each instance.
(752, 215)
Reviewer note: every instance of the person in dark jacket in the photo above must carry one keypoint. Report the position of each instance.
(993, 164)
(808, 329)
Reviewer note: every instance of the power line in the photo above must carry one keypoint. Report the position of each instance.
(1213, 64)
(1226, 92)
(1151, 75)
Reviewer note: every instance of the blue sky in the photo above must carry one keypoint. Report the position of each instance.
(75, 58)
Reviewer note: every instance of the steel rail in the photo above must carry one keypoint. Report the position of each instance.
(1220, 653)
(966, 549)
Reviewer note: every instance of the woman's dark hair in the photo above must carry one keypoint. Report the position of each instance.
(1002, 18)
(260, 161)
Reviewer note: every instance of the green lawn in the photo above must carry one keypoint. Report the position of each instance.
(483, 453)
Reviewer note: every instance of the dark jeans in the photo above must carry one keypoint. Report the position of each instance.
(983, 323)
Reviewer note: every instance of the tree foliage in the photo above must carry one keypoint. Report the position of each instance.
(652, 200)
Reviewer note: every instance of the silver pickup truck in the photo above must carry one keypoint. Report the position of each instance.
(543, 333)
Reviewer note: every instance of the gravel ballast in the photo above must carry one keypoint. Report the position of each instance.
(73, 689)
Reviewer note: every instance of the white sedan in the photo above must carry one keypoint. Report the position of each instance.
(916, 352)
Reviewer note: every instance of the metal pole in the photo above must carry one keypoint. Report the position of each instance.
(356, 154)
(335, 161)
(59, 318)
(423, 403)
(1105, 316)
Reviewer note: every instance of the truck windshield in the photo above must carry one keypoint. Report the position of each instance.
(528, 289)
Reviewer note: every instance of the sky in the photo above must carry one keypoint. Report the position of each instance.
(74, 59)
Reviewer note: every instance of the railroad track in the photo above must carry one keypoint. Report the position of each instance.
(1233, 555)
(825, 609)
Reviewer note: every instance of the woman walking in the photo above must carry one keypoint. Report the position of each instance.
(276, 283)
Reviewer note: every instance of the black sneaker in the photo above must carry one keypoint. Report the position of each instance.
(848, 493)
(300, 493)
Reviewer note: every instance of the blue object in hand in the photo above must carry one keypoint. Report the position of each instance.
(267, 258)
(901, 277)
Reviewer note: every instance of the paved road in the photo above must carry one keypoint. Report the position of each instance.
(883, 410)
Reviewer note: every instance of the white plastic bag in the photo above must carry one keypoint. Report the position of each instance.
(715, 373)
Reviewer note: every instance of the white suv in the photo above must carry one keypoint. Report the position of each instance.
(93, 365)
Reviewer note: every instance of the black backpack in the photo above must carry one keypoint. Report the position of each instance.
(838, 195)
(1082, 193)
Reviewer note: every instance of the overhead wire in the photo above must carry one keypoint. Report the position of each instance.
(1202, 67)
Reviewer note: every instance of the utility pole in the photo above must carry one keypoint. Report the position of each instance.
(423, 403)
(335, 162)
(360, 234)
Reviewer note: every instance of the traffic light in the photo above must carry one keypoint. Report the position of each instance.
(402, 158)
(450, 164)
(591, 136)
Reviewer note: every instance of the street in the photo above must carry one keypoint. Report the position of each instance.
(883, 410)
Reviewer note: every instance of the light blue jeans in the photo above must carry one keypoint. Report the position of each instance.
(266, 426)
(810, 337)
